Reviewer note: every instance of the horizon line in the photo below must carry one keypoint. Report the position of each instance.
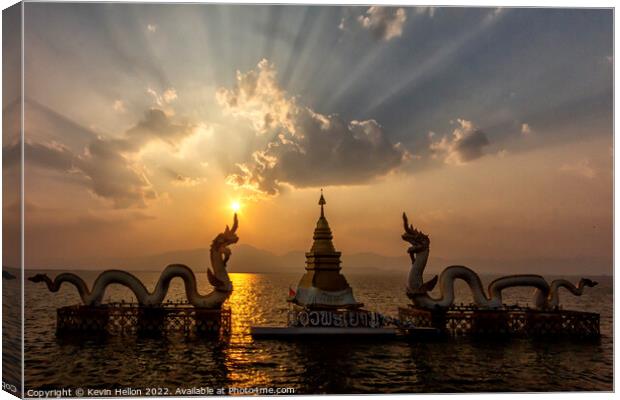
(350, 272)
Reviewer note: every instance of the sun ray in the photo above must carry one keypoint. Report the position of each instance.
(431, 64)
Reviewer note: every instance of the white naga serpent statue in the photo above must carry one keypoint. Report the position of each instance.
(546, 296)
(220, 253)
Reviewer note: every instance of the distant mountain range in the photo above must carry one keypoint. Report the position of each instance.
(246, 258)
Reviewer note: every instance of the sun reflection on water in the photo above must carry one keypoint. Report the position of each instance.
(246, 361)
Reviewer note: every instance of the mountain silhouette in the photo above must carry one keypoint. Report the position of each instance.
(247, 258)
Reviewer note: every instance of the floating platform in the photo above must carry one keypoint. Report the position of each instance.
(354, 318)
(470, 320)
(303, 322)
(131, 318)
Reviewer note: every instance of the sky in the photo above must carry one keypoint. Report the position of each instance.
(491, 127)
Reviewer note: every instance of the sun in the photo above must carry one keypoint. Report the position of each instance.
(235, 206)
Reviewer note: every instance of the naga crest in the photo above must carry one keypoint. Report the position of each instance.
(419, 241)
(225, 239)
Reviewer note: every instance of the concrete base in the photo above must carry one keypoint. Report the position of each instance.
(285, 331)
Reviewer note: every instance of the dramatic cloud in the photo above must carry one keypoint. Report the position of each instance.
(109, 167)
(156, 125)
(465, 144)
(163, 100)
(306, 148)
(384, 22)
(52, 155)
(258, 98)
(105, 170)
(179, 179)
(112, 175)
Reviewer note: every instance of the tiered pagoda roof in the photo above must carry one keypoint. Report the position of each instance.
(323, 286)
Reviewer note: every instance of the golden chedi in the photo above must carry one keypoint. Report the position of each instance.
(323, 286)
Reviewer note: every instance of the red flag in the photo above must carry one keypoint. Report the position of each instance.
(291, 292)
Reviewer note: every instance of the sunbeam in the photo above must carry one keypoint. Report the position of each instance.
(164, 115)
(433, 63)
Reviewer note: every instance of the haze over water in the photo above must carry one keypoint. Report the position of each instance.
(322, 366)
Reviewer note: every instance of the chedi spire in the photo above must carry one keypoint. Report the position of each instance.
(323, 286)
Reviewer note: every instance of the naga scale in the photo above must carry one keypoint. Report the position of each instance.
(324, 303)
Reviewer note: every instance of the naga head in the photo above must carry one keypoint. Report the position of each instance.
(229, 236)
(38, 278)
(220, 253)
(223, 240)
(418, 240)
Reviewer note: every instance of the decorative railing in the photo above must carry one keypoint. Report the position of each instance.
(513, 321)
(128, 318)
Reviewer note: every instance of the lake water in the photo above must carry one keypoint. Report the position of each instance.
(318, 366)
